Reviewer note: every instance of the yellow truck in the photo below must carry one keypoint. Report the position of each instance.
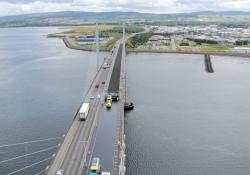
(108, 101)
(95, 166)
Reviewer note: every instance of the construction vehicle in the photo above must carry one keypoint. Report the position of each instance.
(95, 166)
(108, 101)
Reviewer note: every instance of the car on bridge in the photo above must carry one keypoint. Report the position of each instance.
(59, 172)
(114, 95)
(91, 173)
(98, 96)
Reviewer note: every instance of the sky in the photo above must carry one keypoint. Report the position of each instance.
(14, 7)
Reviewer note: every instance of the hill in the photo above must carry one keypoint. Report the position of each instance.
(81, 18)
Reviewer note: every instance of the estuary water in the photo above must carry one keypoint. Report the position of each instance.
(41, 86)
(187, 121)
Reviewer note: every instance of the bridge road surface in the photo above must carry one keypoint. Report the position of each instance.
(115, 77)
(79, 139)
(108, 132)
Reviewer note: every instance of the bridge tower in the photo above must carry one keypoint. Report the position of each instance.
(128, 105)
(123, 57)
(97, 46)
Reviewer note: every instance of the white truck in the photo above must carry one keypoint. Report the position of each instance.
(84, 110)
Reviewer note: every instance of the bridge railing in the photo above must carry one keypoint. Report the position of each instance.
(122, 167)
(122, 145)
(47, 147)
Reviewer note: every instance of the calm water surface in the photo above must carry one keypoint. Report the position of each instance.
(41, 85)
(186, 121)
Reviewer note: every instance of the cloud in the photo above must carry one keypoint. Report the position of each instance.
(7, 8)
(29, 1)
(10, 7)
(236, 4)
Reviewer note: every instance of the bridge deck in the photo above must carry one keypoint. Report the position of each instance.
(109, 129)
(99, 134)
(115, 77)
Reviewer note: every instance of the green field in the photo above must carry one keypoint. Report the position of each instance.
(113, 32)
(90, 29)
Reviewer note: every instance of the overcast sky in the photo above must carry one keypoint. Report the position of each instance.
(12, 7)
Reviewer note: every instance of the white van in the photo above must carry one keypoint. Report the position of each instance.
(59, 172)
(105, 65)
(84, 111)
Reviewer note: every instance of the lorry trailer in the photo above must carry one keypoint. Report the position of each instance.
(84, 110)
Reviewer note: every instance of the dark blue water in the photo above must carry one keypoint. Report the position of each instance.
(186, 121)
(41, 85)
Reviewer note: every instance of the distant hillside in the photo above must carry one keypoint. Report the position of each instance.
(80, 18)
(225, 13)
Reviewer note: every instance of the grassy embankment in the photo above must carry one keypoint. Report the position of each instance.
(138, 43)
(111, 32)
(203, 47)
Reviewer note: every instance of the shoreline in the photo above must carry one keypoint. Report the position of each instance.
(191, 52)
(69, 45)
